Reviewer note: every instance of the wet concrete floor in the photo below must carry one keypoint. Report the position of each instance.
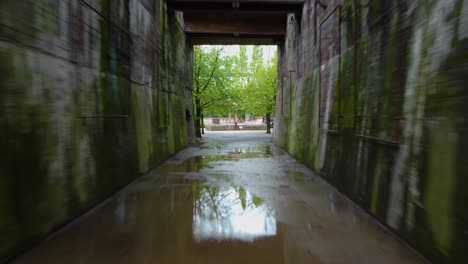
(235, 199)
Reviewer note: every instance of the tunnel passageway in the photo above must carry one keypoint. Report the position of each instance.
(370, 95)
(234, 199)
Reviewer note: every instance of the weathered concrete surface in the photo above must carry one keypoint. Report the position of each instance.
(235, 199)
(380, 112)
(93, 93)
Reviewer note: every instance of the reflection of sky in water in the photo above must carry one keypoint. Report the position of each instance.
(230, 214)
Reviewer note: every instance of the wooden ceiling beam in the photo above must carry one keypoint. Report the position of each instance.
(257, 6)
(257, 24)
(225, 39)
(261, 22)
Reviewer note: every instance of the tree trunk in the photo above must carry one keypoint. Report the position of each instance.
(268, 119)
(198, 112)
(202, 124)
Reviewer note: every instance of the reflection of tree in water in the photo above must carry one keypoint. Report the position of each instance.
(206, 202)
(218, 203)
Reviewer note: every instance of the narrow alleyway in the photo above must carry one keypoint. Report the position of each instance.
(235, 199)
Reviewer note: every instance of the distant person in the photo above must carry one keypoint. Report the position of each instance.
(236, 127)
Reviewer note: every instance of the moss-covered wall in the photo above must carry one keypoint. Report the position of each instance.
(376, 104)
(93, 93)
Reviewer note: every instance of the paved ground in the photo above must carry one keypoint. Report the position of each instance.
(235, 199)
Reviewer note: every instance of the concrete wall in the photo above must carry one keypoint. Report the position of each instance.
(380, 100)
(93, 93)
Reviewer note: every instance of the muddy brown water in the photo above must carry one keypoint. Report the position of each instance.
(235, 199)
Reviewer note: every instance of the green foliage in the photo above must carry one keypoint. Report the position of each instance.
(233, 84)
(260, 92)
(213, 80)
(347, 9)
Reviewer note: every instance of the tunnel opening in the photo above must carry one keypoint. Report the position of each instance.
(234, 87)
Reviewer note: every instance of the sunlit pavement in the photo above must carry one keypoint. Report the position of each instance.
(235, 199)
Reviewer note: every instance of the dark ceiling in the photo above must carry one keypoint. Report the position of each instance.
(260, 22)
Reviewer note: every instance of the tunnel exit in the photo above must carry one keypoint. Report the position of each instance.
(234, 87)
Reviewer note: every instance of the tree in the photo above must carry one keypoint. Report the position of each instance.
(260, 92)
(226, 84)
(211, 82)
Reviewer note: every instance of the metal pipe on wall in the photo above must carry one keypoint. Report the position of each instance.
(316, 4)
(282, 93)
(337, 8)
(290, 89)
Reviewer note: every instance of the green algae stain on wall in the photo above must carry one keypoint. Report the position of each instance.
(307, 150)
(399, 154)
(141, 117)
(440, 186)
(30, 148)
(445, 104)
(88, 115)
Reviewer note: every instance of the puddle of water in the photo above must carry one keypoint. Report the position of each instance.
(230, 214)
(170, 225)
(198, 210)
(220, 212)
